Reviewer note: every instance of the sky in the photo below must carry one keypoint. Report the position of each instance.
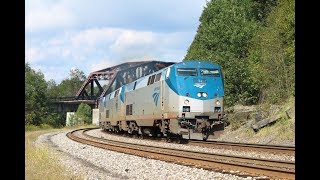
(90, 35)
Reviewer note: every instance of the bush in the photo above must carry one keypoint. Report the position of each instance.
(55, 120)
(45, 126)
(82, 115)
(31, 127)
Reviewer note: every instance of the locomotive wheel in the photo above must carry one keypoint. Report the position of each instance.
(168, 138)
(205, 135)
(140, 136)
(179, 139)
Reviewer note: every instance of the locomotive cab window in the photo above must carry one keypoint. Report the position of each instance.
(187, 71)
(209, 72)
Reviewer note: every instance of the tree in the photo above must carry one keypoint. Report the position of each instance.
(223, 37)
(36, 104)
(83, 114)
(69, 86)
(272, 54)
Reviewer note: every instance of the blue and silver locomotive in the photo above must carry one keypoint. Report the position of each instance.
(183, 100)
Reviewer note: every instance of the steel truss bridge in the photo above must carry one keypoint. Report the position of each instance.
(104, 81)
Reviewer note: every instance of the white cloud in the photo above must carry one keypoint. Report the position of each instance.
(94, 36)
(33, 55)
(102, 64)
(99, 48)
(141, 58)
(56, 41)
(116, 42)
(130, 39)
(43, 16)
(52, 72)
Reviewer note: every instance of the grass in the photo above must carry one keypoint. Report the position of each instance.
(283, 129)
(41, 162)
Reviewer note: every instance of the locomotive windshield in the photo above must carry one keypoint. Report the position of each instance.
(187, 71)
(209, 72)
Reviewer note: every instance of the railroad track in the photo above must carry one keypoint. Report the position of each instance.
(272, 149)
(243, 166)
(285, 150)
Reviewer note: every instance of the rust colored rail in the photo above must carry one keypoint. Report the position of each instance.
(248, 166)
(274, 149)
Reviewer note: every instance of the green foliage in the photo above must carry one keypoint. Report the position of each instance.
(31, 127)
(253, 42)
(235, 124)
(36, 104)
(83, 114)
(262, 8)
(45, 126)
(37, 93)
(73, 120)
(67, 87)
(56, 120)
(272, 56)
(223, 37)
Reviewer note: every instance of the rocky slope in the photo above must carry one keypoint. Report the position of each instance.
(277, 124)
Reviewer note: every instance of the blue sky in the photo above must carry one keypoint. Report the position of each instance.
(90, 35)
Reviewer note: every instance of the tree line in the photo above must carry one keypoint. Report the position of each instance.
(254, 42)
(38, 93)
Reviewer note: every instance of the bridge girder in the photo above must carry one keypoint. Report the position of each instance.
(116, 76)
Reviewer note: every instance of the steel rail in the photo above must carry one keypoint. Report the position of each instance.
(252, 166)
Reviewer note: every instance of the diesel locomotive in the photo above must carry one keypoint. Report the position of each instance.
(184, 100)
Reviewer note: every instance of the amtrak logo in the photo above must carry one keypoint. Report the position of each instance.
(199, 85)
(155, 95)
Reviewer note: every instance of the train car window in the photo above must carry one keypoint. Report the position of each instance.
(187, 71)
(107, 113)
(151, 79)
(209, 72)
(135, 84)
(116, 93)
(158, 76)
(129, 109)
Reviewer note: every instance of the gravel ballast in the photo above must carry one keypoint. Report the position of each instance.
(98, 133)
(95, 163)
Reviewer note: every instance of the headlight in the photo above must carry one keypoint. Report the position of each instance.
(199, 94)
(186, 102)
(204, 94)
(217, 102)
